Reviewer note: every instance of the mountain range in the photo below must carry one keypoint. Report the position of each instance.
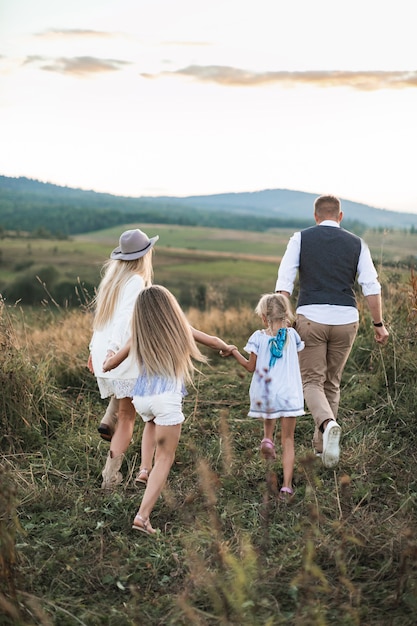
(290, 204)
(31, 205)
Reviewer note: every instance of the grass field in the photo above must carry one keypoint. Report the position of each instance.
(228, 553)
(221, 267)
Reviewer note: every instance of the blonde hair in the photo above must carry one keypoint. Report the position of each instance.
(162, 339)
(327, 207)
(275, 307)
(116, 273)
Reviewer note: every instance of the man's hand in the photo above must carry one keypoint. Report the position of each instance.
(381, 334)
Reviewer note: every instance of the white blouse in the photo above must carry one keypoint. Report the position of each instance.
(116, 333)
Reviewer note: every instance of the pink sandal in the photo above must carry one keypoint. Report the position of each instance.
(267, 449)
(286, 494)
(142, 477)
(144, 525)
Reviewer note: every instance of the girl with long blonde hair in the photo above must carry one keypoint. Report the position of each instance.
(163, 344)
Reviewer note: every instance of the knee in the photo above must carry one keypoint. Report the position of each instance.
(163, 445)
(312, 384)
(164, 449)
(126, 416)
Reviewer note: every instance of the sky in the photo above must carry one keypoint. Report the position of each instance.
(196, 97)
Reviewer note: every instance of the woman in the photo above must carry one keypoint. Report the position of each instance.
(126, 273)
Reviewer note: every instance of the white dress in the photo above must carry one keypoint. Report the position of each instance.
(121, 380)
(276, 391)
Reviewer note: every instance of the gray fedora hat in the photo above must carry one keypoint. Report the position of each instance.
(133, 244)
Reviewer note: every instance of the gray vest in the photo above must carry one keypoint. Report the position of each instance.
(328, 265)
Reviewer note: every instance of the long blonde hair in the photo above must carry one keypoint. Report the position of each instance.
(162, 339)
(116, 273)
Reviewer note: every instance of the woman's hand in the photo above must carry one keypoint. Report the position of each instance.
(227, 351)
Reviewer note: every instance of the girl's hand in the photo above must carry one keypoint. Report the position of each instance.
(227, 351)
(108, 362)
(90, 364)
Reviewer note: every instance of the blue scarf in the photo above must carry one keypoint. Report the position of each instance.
(276, 345)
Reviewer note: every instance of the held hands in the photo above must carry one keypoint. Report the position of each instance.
(227, 351)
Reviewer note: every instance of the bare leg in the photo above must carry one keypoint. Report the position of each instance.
(288, 453)
(148, 446)
(269, 428)
(124, 431)
(167, 438)
(147, 454)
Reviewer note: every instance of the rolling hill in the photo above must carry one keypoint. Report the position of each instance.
(33, 206)
(287, 204)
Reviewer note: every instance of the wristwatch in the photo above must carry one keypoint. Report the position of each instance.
(378, 324)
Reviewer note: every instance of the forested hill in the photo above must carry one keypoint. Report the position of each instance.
(32, 206)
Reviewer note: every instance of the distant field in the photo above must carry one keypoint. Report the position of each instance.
(386, 246)
(223, 266)
(391, 246)
(271, 243)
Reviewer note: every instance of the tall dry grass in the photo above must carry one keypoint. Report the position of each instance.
(344, 552)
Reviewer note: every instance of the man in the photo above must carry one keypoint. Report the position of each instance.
(328, 260)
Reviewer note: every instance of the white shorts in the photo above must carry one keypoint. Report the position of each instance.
(165, 409)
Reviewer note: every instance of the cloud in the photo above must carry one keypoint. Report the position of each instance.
(55, 33)
(34, 58)
(83, 66)
(235, 77)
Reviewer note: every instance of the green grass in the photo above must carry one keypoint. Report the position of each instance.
(193, 262)
(208, 259)
(228, 552)
(196, 238)
(391, 246)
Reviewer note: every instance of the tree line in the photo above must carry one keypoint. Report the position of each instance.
(46, 210)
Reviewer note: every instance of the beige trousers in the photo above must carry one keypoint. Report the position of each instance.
(322, 362)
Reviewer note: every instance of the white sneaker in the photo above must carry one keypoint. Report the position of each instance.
(331, 449)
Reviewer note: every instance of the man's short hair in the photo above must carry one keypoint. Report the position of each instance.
(327, 206)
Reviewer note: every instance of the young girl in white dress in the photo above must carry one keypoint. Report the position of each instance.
(126, 273)
(276, 390)
(163, 345)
